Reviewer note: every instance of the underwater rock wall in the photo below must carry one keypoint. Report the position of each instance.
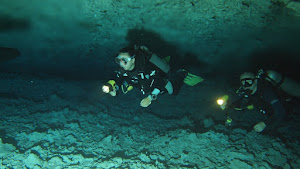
(65, 34)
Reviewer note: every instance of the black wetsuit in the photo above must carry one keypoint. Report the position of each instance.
(269, 107)
(146, 76)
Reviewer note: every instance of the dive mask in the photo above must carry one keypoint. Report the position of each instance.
(121, 60)
(247, 82)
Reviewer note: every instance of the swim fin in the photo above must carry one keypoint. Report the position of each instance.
(192, 80)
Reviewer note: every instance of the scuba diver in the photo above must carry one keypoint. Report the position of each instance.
(151, 74)
(269, 92)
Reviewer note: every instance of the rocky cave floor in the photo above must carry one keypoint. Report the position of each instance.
(55, 123)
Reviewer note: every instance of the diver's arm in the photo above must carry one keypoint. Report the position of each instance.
(113, 93)
(277, 115)
(273, 120)
(153, 94)
(278, 110)
(157, 79)
(234, 100)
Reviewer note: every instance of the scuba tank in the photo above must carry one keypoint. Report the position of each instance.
(286, 84)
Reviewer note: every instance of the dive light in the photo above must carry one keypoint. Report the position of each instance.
(109, 86)
(223, 101)
(220, 102)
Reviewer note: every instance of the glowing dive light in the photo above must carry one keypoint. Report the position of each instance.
(109, 86)
(223, 101)
(220, 102)
(105, 89)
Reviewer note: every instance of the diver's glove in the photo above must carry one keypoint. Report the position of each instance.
(146, 102)
(153, 96)
(259, 127)
(113, 93)
(223, 106)
(228, 121)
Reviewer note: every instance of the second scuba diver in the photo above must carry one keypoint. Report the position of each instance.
(145, 70)
(267, 93)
